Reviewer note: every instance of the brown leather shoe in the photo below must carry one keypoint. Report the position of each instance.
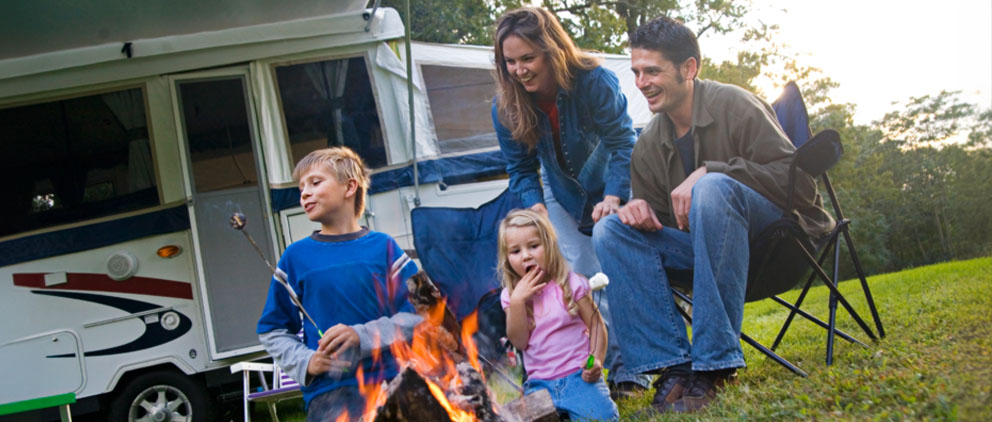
(669, 388)
(703, 388)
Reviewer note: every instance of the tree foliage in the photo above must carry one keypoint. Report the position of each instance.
(916, 184)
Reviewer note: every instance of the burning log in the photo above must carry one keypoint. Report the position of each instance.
(473, 395)
(427, 300)
(410, 399)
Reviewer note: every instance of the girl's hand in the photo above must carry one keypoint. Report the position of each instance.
(528, 286)
(593, 374)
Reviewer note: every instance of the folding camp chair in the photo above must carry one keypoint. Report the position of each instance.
(282, 387)
(457, 249)
(782, 254)
(792, 114)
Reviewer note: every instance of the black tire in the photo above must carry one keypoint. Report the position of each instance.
(175, 396)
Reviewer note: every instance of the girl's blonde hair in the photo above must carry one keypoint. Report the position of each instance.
(344, 164)
(554, 264)
(539, 28)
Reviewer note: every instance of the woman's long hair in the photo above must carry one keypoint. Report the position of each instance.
(540, 29)
(555, 265)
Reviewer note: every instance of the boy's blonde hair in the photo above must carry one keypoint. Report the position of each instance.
(555, 264)
(344, 164)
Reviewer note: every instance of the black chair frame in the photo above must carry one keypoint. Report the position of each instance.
(782, 254)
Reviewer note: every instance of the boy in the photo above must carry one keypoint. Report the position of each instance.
(350, 280)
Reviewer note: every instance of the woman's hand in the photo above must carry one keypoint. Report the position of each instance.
(528, 286)
(593, 374)
(609, 205)
(540, 208)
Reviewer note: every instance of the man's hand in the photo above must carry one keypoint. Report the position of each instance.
(609, 205)
(639, 215)
(682, 197)
(539, 207)
(593, 374)
(337, 339)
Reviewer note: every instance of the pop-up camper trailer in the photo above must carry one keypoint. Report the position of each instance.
(131, 131)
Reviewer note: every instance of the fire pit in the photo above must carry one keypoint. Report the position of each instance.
(442, 379)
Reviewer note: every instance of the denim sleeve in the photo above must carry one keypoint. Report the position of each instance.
(608, 111)
(289, 352)
(522, 164)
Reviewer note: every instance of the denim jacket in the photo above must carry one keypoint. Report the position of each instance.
(597, 137)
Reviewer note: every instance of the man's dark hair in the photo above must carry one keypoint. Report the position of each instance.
(668, 36)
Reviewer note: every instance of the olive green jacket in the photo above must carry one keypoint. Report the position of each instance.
(735, 133)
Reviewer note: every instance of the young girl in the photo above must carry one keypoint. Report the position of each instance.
(550, 316)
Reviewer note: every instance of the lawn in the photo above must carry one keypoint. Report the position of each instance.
(935, 362)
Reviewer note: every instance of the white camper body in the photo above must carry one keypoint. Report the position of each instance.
(128, 156)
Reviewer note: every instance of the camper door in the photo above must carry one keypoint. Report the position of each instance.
(221, 154)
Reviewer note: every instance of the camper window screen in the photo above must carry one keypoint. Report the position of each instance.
(75, 159)
(330, 103)
(461, 99)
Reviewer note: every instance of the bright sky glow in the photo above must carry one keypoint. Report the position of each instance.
(881, 51)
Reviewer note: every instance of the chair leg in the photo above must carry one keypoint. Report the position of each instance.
(799, 302)
(272, 411)
(774, 356)
(816, 321)
(245, 385)
(833, 307)
(833, 289)
(864, 282)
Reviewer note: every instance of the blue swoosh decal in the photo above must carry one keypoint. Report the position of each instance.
(154, 335)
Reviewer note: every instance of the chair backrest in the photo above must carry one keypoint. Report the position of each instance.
(792, 115)
(457, 248)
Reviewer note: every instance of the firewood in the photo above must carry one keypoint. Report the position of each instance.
(409, 399)
(427, 300)
(473, 394)
(533, 407)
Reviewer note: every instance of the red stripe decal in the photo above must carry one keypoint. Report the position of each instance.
(103, 283)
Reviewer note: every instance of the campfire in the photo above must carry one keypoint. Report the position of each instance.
(441, 377)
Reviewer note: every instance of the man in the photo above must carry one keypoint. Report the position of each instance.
(708, 173)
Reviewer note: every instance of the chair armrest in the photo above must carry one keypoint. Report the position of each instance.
(251, 366)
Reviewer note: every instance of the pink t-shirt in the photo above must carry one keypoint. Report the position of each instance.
(559, 343)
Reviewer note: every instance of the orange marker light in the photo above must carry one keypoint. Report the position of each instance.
(169, 251)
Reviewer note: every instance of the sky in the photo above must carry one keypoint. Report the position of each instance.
(881, 51)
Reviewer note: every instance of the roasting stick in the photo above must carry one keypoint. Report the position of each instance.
(597, 282)
(238, 222)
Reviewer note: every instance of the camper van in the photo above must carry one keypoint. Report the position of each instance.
(131, 132)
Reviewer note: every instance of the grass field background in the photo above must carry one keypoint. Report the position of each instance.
(935, 362)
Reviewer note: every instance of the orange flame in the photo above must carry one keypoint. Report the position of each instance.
(427, 354)
(469, 326)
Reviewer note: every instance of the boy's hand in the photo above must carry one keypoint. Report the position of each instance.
(319, 364)
(337, 339)
(528, 286)
(593, 374)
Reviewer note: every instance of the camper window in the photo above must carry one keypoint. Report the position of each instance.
(461, 99)
(330, 103)
(75, 159)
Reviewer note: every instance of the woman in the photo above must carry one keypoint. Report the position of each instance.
(559, 111)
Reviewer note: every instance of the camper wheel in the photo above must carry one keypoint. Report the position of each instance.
(162, 396)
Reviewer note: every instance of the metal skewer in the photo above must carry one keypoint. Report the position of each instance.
(238, 222)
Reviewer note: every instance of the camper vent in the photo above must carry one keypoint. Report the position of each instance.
(122, 265)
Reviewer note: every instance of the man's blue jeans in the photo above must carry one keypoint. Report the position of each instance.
(578, 251)
(724, 216)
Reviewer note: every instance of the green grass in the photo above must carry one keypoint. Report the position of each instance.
(935, 362)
